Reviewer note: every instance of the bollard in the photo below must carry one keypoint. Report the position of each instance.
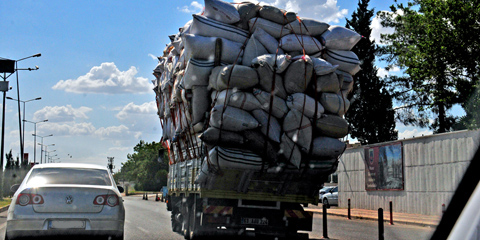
(325, 232)
(349, 216)
(143, 197)
(391, 213)
(380, 225)
(157, 198)
(146, 196)
(443, 208)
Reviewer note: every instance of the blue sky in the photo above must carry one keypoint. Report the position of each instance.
(95, 69)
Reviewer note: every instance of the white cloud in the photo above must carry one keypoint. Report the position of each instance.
(382, 72)
(195, 7)
(152, 56)
(66, 129)
(106, 79)
(323, 10)
(131, 109)
(113, 132)
(61, 113)
(377, 28)
(414, 133)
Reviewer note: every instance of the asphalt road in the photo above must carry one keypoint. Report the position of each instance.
(149, 220)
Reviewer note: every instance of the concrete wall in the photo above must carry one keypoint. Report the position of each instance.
(433, 166)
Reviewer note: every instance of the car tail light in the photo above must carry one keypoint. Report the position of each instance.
(110, 200)
(24, 199)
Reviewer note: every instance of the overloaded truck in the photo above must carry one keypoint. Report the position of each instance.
(251, 101)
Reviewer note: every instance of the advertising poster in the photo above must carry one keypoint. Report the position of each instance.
(384, 167)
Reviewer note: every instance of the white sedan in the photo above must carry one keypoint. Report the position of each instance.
(64, 199)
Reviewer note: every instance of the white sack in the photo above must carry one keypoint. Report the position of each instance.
(269, 42)
(279, 107)
(200, 103)
(295, 42)
(221, 11)
(282, 61)
(210, 28)
(234, 158)
(277, 15)
(241, 77)
(334, 103)
(323, 67)
(253, 49)
(234, 119)
(306, 104)
(274, 29)
(197, 73)
(247, 11)
(298, 75)
(291, 151)
(347, 61)
(298, 128)
(326, 147)
(332, 126)
(274, 130)
(314, 27)
(340, 38)
(203, 48)
(329, 83)
(242, 100)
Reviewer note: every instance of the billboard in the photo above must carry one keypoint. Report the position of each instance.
(384, 167)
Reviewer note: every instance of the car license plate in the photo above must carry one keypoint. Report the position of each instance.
(58, 224)
(255, 221)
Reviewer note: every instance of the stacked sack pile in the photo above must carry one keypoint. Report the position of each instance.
(260, 87)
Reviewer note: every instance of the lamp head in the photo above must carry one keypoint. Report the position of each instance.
(37, 55)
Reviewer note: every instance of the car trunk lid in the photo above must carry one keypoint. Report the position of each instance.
(69, 199)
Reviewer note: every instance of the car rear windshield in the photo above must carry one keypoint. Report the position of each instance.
(81, 176)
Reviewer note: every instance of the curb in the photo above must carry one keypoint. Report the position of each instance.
(375, 219)
(3, 209)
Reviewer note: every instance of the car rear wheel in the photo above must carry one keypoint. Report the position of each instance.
(325, 202)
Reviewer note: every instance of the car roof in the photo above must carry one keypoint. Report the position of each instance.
(70, 165)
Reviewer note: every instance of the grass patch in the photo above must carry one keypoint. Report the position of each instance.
(5, 202)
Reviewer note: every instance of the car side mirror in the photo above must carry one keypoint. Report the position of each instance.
(14, 188)
(120, 188)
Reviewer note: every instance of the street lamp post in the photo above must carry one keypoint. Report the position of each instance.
(11, 66)
(35, 138)
(23, 133)
(41, 144)
(47, 153)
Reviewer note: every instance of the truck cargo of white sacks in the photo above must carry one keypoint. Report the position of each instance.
(257, 88)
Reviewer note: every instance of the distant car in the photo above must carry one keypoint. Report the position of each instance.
(63, 199)
(322, 192)
(331, 197)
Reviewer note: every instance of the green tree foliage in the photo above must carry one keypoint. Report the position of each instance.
(371, 112)
(436, 43)
(145, 168)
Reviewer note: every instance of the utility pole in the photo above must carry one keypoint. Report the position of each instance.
(110, 164)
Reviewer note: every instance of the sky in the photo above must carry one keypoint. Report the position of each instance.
(95, 72)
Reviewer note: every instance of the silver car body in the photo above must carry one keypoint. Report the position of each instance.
(331, 196)
(322, 192)
(67, 209)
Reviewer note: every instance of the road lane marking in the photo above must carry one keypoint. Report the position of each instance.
(143, 230)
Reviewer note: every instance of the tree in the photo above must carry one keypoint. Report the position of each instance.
(145, 167)
(371, 112)
(436, 42)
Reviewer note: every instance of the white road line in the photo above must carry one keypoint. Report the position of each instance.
(143, 230)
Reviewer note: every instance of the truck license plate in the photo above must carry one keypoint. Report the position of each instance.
(255, 221)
